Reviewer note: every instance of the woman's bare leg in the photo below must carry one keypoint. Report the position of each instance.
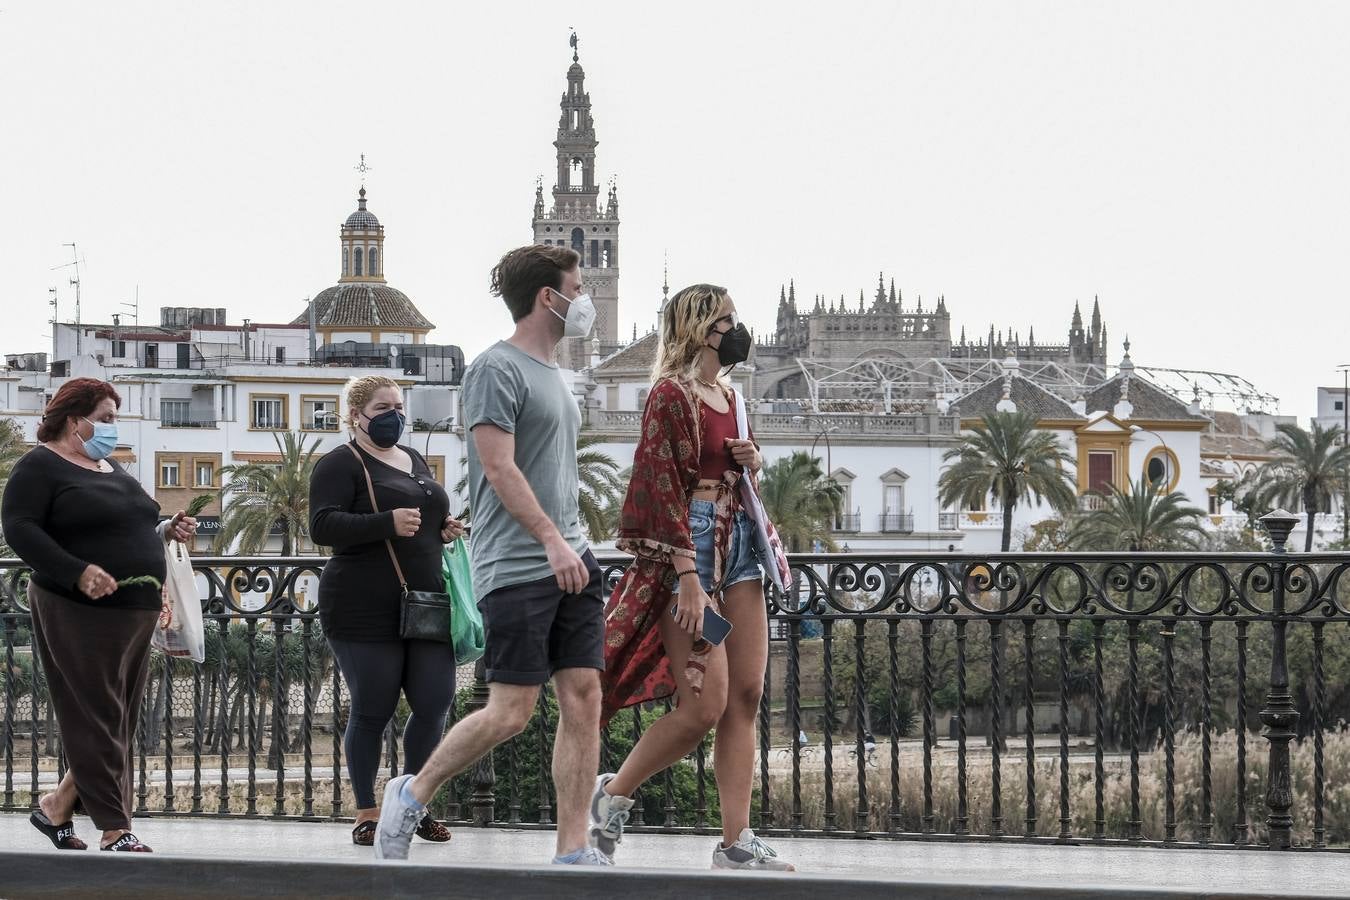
(672, 737)
(747, 651)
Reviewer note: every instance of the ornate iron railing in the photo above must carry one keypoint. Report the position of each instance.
(1087, 698)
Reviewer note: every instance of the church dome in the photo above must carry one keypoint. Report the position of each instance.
(363, 219)
(364, 305)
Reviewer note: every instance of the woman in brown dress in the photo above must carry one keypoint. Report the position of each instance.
(84, 524)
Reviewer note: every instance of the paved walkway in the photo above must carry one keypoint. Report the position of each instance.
(983, 867)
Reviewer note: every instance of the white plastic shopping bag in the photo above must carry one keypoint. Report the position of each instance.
(180, 631)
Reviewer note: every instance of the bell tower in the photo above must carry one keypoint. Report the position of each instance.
(579, 219)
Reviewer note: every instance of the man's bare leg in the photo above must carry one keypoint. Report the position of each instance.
(508, 711)
(576, 753)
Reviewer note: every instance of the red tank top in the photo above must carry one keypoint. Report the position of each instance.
(715, 457)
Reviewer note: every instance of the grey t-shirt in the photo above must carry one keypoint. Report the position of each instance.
(512, 390)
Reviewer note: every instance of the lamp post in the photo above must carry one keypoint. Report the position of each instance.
(432, 429)
(820, 431)
(1167, 451)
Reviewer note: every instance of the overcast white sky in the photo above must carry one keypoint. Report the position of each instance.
(1187, 162)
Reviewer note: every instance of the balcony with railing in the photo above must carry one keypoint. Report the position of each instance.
(187, 422)
(772, 423)
(848, 523)
(896, 523)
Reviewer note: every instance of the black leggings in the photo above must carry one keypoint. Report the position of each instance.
(375, 671)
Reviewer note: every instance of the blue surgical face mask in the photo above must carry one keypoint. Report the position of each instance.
(103, 442)
(386, 428)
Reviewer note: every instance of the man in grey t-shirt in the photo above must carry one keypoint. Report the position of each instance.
(538, 584)
(511, 391)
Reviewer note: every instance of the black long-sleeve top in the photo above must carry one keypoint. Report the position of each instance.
(60, 517)
(359, 593)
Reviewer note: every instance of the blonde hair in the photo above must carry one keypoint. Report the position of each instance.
(685, 323)
(359, 391)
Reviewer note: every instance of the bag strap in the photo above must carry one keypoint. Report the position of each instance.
(742, 425)
(370, 487)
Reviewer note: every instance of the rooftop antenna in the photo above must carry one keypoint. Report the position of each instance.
(135, 308)
(55, 318)
(75, 281)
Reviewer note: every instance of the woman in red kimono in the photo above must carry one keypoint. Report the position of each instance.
(694, 548)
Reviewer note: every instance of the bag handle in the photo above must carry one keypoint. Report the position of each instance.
(370, 487)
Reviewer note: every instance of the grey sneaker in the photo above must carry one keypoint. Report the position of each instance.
(587, 857)
(750, 853)
(608, 815)
(398, 821)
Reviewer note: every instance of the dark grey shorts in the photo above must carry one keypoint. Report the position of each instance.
(534, 629)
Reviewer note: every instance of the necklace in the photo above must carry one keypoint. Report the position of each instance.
(706, 384)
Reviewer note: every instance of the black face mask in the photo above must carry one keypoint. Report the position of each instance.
(735, 346)
(386, 428)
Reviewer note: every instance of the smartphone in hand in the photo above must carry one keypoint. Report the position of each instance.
(715, 628)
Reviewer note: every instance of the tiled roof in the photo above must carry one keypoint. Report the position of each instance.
(1027, 395)
(639, 356)
(364, 305)
(1233, 444)
(1148, 401)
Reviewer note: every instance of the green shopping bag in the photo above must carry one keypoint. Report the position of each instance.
(466, 624)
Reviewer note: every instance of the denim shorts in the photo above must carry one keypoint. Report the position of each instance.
(742, 562)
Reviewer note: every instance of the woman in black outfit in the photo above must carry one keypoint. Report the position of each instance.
(83, 524)
(359, 592)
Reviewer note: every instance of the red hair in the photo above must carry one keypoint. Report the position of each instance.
(77, 397)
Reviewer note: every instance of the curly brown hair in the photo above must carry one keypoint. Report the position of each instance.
(520, 274)
(76, 398)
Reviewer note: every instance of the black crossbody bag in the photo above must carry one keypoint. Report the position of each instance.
(423, 615)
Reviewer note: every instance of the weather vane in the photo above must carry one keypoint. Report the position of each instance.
(573, 44)
(363, 169)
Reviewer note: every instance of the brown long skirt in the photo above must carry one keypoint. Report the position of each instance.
(96, 661)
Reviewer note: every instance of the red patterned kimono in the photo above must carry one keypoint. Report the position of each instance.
(655, 529)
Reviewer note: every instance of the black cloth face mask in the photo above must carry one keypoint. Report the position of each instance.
(386, 428)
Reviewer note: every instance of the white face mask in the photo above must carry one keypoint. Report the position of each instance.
(580, 318)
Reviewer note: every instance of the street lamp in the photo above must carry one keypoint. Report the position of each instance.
(1167, 452)
(821, 431)
(432, 429)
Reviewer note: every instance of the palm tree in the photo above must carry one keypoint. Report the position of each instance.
(601, 487)
(601, 483)
(261, 495)
(801, 500)
(1008, 457)
(12, 446)
(1141, 518)
(1308, 470)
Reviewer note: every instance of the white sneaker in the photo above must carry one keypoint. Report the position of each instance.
(750, 853)
(588, 857)
(608, 815)
(398, 821)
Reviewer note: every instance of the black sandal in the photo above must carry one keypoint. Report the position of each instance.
(128, 843)
(63, 835)
(363, 835)
(430, 830)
